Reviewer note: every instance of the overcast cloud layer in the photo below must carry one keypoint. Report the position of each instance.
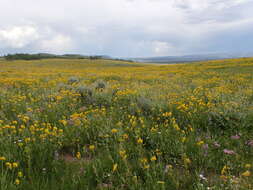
(126, 28)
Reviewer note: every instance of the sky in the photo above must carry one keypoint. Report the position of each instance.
(126, 28)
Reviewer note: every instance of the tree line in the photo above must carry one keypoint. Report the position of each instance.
(26, 56)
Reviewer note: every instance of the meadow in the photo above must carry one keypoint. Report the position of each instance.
(104, 124)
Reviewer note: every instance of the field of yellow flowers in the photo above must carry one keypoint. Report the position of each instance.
(103, 124)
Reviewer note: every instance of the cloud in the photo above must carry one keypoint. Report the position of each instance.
(161, 48)
(44, 39)
(208, 4)
(124, 27)
(57, 44)
(18, 36)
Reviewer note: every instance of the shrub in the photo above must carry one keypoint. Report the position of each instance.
(145, 104)
(73, 80)
(100, 85)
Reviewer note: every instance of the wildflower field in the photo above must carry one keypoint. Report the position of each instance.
(104, 124)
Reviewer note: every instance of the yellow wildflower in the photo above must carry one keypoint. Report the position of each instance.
(224, 169)
(114, 130)
(14, 164)
(187, 161)
(144, 160)
(8, 165)
(20, 174)
(135, 178)
(64, 122)
(246, 173)
(175, 125)
(17, 181)
(114, 167)
(78, 155)
(92, 147)
(122, 154)
(27, 140)
(139, 141)
(20, 144)
(14, 122)
(183, 139)
(200, 143)
(247, 165)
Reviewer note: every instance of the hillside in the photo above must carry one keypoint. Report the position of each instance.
(109, 124)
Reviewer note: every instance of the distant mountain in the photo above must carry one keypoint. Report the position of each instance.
(192, 58)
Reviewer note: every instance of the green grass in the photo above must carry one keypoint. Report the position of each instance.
(81, 124)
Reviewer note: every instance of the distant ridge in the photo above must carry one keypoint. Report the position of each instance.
(192, 58)
(26, 56)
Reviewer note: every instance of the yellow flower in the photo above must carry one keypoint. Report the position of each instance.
(14, 164)
(92, 147)
(64, 122)
(135, 178)
(14, 122)
(119, 124)
(153, 129)
(77, 122)
(29, 109)
(144, 160)
(247, 165)
(167, 114)
(246, 173)
(8, 165)
(27, 140)
(175, 125)
(187, 161)
(122, 154)
(158, 152)
(17, 181)
(114, 130)
(20, 144)
(78, 155)
(58, 97)
(114, 167)
(153, 158)
(2, 158)
(183, 139)
(139, 141)
(20, 174)
(200, 143)
(224, 169)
